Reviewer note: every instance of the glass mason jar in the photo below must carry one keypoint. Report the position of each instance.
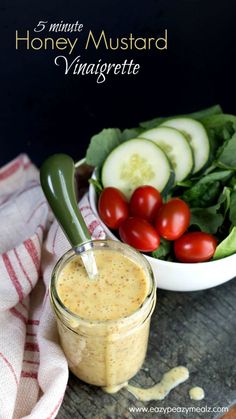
(104, 353)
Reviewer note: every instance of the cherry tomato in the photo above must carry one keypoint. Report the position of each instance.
(195, 247)
(173, 219)
(138, 233)
(112, 207)
(144, 202)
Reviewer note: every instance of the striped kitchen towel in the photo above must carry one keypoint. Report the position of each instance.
(33, 368)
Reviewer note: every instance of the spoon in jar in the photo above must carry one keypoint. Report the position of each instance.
(57, 177)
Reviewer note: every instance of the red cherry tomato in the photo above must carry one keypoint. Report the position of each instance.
(144, 202)
(195, 247)
(112, 207)
(140, 234)
(173, 219)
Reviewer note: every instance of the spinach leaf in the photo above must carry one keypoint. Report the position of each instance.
(232, 209)
(224, 125)
(213, 110)
(206, 190)
(206, 219)
(211, 219)
(101, 145)
(220, 128)
(227, 247)
(163, 250)
(204, 113)
(227, 156)
(186, 183)
(129, 133)
(224, 201)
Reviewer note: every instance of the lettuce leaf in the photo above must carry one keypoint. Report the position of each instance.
(101, 145)
(232, 208)
(227, 156)
(206, 219)
(227, 247)
(220, 128)
(206, 190)
(163, 249)
(211, 219)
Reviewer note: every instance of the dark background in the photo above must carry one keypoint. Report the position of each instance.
(43, 111)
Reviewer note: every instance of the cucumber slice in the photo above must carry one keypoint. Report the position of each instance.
(176, 147)
(137, 162)
(197, 137)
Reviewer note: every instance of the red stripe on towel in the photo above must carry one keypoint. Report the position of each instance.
(13, 276)
(10, 170)
(85, 207)
(55, 408)
(19, 315)
(32, 347)
(23, 269)
(24, 306)
(31, 249)
(35, 322)
(9, 366)
(31, 374)
(93, 225)
(27, 361)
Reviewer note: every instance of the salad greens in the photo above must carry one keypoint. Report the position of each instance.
(226, 157)
(210, 193)
(204, 113)
(227, 246)
(207, 219)
(232, 208)
(163, 250)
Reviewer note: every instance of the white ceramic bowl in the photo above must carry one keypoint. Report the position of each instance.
(176, 276)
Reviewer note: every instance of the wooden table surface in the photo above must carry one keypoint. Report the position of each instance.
(196, 330)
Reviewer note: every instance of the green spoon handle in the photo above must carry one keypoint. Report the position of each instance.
(57, 176)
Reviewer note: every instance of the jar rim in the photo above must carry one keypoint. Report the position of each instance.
(55, 299)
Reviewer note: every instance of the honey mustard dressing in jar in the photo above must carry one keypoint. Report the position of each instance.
(103, 323)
